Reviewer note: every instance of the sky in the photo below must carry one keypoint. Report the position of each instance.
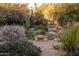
(39, 1)
(31, 2)
(31, 5)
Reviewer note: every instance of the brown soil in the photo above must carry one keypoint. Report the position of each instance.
(47, 48)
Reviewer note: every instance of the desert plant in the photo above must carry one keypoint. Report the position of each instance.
(3, 19)
(30, 35)
(39, 27)
(70, 39)
(11, 33)
(19, 48)
(14, 43)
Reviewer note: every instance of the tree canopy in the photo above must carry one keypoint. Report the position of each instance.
(59, 11)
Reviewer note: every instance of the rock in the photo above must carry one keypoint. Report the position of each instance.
(59, 27)
(45, 39)
(35, 39)
(51, 38)
(41, 37)
(53, 33)
(31, 29)
(52, 29)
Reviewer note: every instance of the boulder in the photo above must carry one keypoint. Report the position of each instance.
(40, 37)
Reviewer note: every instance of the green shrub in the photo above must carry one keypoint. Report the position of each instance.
(30, 35)
(39, 27)
(3, 19)
(9, 17)
(70, 38)
(13, 42)
(39, 32)
(20, 48)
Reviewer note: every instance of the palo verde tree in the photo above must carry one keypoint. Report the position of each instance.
(63, 13)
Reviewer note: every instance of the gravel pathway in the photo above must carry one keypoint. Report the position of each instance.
(47, 48)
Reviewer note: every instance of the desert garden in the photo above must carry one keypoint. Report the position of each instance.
(51, 29)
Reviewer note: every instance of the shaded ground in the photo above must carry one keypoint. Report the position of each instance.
(47, 48)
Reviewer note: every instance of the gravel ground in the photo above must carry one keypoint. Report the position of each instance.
(47, 48)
